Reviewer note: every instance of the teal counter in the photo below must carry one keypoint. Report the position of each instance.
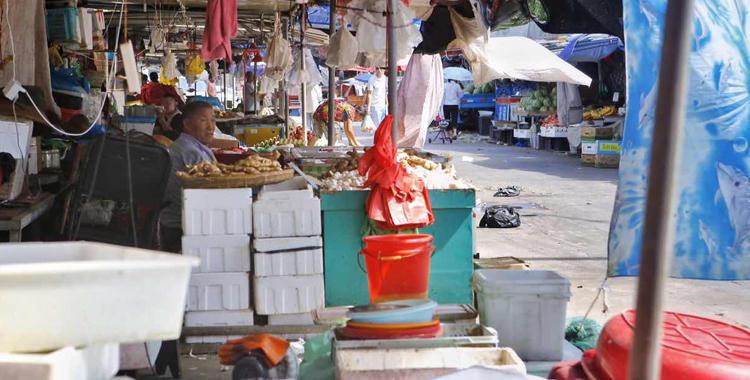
(451, 266)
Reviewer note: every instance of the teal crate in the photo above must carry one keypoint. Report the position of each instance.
(62, 24)
(451, 265)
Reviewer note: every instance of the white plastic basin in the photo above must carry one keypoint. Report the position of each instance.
(79, 294)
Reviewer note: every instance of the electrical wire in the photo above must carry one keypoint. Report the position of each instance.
(108, 77)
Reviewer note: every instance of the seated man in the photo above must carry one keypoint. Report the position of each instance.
(189, 149)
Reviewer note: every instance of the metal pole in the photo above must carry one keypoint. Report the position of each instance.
(332, 77)
(390, 47)
(284, 98)
(302, 87)
(658, 229)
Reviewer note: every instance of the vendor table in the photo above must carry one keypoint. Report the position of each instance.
(16, 215)
(451, 265)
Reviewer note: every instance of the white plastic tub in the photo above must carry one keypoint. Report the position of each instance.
(80, 294)
(527, 308)
(421, 363)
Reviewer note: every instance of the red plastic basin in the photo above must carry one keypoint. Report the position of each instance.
(692, 348)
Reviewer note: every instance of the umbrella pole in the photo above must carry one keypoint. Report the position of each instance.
(332, 77)
(390, 47)
(658, 229)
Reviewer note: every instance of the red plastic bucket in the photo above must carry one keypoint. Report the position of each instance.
(398, 266)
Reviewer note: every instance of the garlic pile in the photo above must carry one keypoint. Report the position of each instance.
(439, 179)
(350, 180)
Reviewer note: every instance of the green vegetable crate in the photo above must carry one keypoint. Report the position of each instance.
(451, 266)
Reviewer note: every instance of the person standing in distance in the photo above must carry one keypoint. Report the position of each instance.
(377, 98)
(451, 100)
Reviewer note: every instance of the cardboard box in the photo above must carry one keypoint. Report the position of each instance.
(597, 133)
(588, 159)
(607, 160)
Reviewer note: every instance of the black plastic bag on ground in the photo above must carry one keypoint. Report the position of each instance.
(508, 191)
(500, 217)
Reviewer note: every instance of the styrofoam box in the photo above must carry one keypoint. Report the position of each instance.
(219, 318)
(527, 308)
(217, 211)
(68, 363)
(296, 188)
(287, 209)
(219, 253)
(288, 256)
(292, 263)
(272, 218)
(273, 245)
(299, 319)
(219, 291)
(288, 294)
(75, 294)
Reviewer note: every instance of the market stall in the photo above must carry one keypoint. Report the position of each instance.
(275, 237)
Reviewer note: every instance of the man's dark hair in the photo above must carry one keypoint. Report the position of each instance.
(193, 107)
(154, 76)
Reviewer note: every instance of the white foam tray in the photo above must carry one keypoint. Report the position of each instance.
(219, 291)
(81, 294)
(288, 294)
(292, 263)
(88, 363)
(217, 211)
(219, 253)
(219, 318)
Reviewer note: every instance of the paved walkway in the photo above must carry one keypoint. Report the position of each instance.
(565, 225)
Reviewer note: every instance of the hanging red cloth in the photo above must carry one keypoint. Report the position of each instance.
(221, 27)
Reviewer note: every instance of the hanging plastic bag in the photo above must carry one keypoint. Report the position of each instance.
(367, 124)
(169, 66)
(279, 59)
(194, 65)
(471, 38)
(267, 85)
(407, 36)
(397, 200)
(310, 75)
(342, 51)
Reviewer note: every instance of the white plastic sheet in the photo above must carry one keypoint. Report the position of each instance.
(419, 97)
(525, 59)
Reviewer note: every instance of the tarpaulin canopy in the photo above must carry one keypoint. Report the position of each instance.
(524, 59)
(590, 47)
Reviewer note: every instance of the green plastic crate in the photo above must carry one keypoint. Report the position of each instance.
(451, 266)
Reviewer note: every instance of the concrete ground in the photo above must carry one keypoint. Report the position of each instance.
(565, 224)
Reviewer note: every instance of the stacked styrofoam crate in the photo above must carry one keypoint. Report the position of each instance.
(288, 253)
(217, 224)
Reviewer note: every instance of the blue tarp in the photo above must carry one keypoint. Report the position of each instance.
(712, 235)
(590, 47)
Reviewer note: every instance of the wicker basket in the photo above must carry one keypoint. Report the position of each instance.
(228, 182)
